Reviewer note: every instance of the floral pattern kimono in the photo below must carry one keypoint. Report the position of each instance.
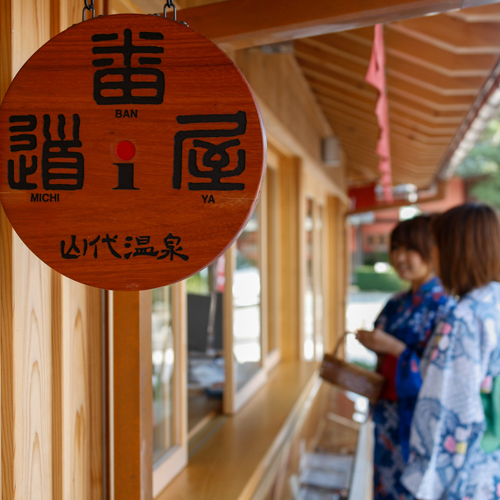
(410, 317)
(447, 459)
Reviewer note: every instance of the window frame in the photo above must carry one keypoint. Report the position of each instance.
(318, 195)
(175, 459)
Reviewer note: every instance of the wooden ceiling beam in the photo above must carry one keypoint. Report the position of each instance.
(397, 106)
(429, 99)
(396, 67)
(362, 89)
(452, 34)
(348, 80)
(361, 157)
(248, 23)
(484, 14)
(367, 157)
(352, 124)
(348, 129)
(368, 149)
(401, 105)
(369, 146)
(366, 172)
(440, 114)
(407, 164)
(418, 167)
(405, 175)
(434, 137)
(418, 145)
(340, 94)
(428, 125)
(431, 80)
(336, 45)
(413, 169)
(359, 173)
(405, 149)
(417, 52)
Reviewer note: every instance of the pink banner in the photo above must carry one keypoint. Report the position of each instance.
(376, 77)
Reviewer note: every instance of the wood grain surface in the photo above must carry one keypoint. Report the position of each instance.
(149, 215)
(51, 336)
(133, 396)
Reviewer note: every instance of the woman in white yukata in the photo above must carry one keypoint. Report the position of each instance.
(455, 436)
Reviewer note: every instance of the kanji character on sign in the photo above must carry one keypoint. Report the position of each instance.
(172, 248)
(133, 88)
(216, 158)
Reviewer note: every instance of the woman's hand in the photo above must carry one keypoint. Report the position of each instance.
(381, 342)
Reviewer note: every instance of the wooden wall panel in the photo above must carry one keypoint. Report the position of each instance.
(27, 446)
(70, 12)
(31, 29)
(81, 392)
(5, 47)
(51, 425)
(289, 95)
(32, 374)
(290, 110)
(26, 372)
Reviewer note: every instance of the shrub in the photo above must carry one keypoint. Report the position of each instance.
(368, 279)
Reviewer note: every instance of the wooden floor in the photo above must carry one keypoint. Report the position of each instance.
(200, 406)
(232, 457)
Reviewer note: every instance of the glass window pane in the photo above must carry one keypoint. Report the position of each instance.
(205, 357)
(309, 291)
(246, 302)
(163, 373)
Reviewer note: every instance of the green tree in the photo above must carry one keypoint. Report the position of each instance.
(488, 190)
(484, 157)
(483, 161)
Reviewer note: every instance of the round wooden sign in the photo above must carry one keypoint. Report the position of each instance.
(132, 152)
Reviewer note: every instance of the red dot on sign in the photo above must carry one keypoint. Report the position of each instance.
(125, 150)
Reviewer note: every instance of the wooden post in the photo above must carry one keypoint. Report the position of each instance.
(290, 237)
(132, 396)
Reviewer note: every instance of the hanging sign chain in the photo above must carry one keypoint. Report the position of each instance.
(89, 5)
(169, 4)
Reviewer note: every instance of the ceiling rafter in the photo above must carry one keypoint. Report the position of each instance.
(402, 45)
(452, 34)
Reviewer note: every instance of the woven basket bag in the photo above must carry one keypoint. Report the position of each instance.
(351, 377)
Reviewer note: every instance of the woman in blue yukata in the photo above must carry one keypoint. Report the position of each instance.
(455, 437)
(401, 333)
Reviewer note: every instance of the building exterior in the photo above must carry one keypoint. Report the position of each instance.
(233, 351)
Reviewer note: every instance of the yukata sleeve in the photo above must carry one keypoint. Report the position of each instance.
(386, 314)
(408, 376)
(408, 380)
(448, 416)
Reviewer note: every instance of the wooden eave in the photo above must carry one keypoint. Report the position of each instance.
(440, 54)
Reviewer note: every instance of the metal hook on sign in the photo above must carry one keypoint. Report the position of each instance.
(169, 4)
(89, 5)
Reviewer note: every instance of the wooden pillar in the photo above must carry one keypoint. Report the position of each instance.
(338, 270)
(290, 238)
(132, 396)
(50, 341)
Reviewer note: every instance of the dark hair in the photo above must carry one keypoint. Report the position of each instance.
(414, 234)
(468, 239)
